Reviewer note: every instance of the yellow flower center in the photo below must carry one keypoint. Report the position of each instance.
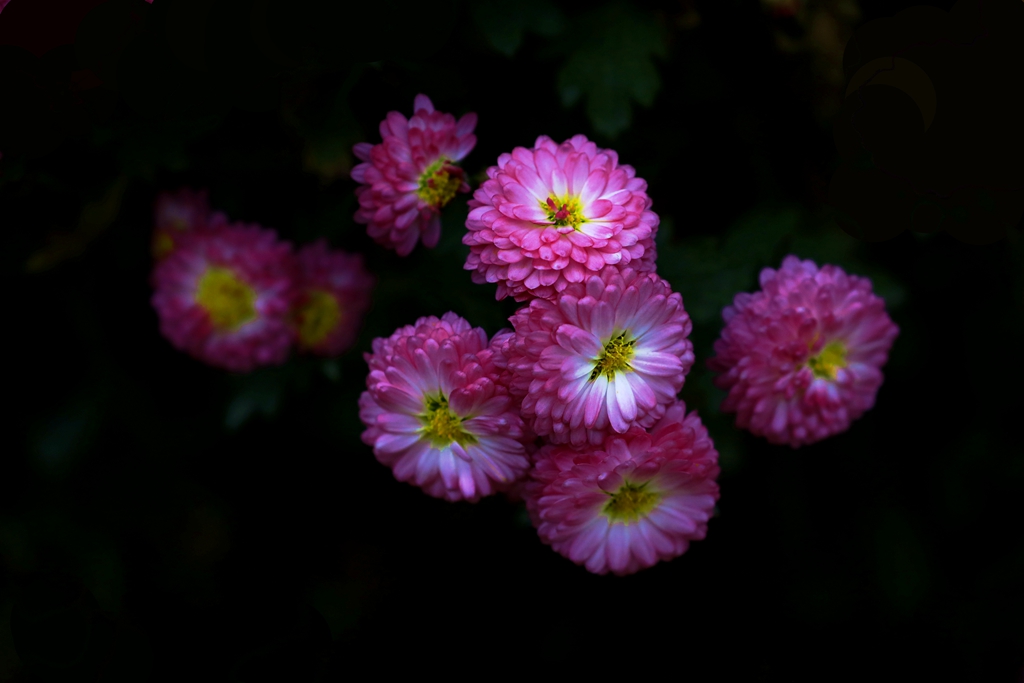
(439, 183)
(564, 211)
(615, 357)
(317, 317)
(228, 301)
(440, 425)
(828, 361)
(630, 503)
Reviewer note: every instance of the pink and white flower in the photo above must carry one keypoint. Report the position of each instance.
(611, 353)
(333, 293)
(180, 212)
(409, 177)
(638, 499)
(224, 296)
(802, 358)
(551, 215)
(435, 415)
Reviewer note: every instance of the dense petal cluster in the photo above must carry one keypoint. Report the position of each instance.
(435, 415)
(549, 216)
(224, 296)
(181, 212)
(575, 409)
(638, 499)
(332, 295)
(802, 358)
(612, 353)
(411, 175)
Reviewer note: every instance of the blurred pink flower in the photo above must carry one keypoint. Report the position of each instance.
(638, 499)
(224, 297)
(332, 295)
(409, 177)
(551, 215)
(801, 359)
(179, 212)
(435, 415)
(611, 353)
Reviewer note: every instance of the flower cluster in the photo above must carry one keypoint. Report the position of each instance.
(411, 175)
(621, 477)
(237, 297)
(575, 410)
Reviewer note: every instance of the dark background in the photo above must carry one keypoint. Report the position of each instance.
(163, 520)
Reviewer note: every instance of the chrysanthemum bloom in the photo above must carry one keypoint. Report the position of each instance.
(179, 212)
(409, 177)
(435, 415)
(638, 499)
(498, 350)
(801, 359)
(612, 352)
(224, 296)
(333, 293)
(551, 215)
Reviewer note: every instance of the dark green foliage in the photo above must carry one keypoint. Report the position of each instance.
(611, 64)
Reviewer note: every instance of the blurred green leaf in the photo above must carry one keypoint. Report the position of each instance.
(95, 218)
(70, 431)
(901, 561)
(754, 239)
(332, 369)
(259, 393)
(503, 24)
(614, 66)
(710, 272)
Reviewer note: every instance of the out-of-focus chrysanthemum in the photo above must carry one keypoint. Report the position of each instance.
(435, 415)
(638, 499)
(612, 352)
(801, 359)
(552, 215)
(224, 296)
(332, 295)
(409, 177)
(180, 212)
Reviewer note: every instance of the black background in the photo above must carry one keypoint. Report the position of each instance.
(163, 520)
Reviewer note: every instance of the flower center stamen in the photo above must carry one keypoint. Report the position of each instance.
(630, 503)
(826, 364)
(440, 425)
(228, 301)
(565, 211)
(615, 358)
(439, 183)
(317, 317)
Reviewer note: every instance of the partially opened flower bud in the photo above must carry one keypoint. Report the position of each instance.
(408, 178)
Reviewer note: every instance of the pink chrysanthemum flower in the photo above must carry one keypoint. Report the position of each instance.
(224, 297)
(801, 359)
(551, 215)
(332, 295)
(498, 351)
(435, 415)
(638, 499)
(180, 212)
(612, 352)
(409, 177)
